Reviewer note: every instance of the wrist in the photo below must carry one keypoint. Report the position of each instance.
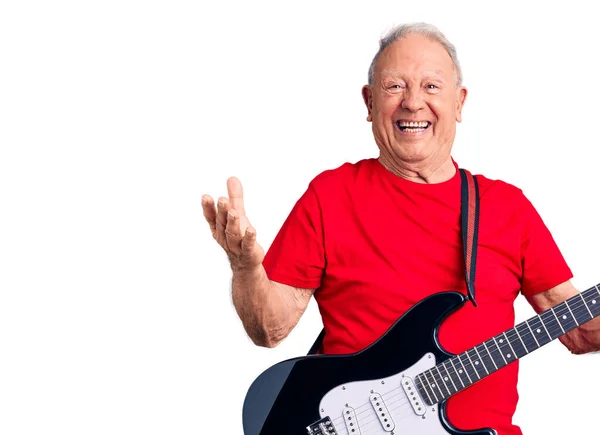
(246, 271)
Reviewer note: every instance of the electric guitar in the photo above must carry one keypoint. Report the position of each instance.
(380, 391)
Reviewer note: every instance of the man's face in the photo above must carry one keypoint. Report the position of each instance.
(413, 103)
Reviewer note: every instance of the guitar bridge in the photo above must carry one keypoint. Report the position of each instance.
(322, 427)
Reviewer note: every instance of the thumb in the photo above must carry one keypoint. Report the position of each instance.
(249, 240)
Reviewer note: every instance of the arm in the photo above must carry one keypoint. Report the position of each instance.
(583, 339)
(268, 310)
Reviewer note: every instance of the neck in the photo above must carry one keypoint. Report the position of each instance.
(421, 172)
(461, 371)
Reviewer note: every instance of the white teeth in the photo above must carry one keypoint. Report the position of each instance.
(421, 124)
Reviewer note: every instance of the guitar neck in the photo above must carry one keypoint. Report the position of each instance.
(463, 370)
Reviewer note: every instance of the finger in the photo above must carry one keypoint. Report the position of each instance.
(249, 240)
(223, 206)
(236, 194)
(210, 212)
(233, 233)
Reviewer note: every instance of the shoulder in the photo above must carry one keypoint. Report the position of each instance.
(502, 198)
(344, 176)
(498, 190)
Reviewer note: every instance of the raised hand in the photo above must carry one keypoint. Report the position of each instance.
(231, 228)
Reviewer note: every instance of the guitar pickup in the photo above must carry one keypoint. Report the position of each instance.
(384, 416)
(413, 397)
(351, 421)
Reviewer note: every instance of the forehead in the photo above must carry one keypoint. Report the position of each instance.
(415, 55)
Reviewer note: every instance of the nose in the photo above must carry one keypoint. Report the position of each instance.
(413, 100)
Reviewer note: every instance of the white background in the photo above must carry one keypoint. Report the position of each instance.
(116, 116)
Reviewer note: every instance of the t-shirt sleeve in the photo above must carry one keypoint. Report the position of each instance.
(296, 256)
(543, 265)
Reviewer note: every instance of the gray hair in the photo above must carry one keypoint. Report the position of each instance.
(424, 29)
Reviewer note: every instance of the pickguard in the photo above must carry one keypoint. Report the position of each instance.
(354, 400)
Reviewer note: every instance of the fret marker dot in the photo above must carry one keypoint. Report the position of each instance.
(460, 371)
(508, 355)
(538, 330)
(501, 341)
(432, 385)
(476, 363)
(564, 317)
(594, 301)
(446, 378)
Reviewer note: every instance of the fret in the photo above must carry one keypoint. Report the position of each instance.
(551, 323)
(585, 305)
(507, 352)
(458, 374)
(500, 350)
(469, 368)
(582, 307)
(448, 376)
(542, 334)
(432, 385)
(514, 343)
(491, 357)
(483, 363)
(443, 381)
(526, 348)
(532, 334)
(592, 301)
(557, 321)
(476, 363)
(453, 375)
(461, 371)
(579, 310)
(526, 336)
(496, 353)
(567, 322)
(566, 303)
(422, 387)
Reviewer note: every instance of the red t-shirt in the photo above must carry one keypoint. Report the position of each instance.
(375, 244)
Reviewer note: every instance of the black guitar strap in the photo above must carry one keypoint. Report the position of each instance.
(469, 217)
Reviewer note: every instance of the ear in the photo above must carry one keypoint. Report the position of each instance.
(461, 97)
(367, 95)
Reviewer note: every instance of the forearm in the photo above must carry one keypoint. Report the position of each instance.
(261, 306)
(583, 339)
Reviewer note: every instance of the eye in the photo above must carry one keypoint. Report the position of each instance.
(432, 88)
(395, 88)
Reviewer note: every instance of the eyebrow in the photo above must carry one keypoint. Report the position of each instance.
(394, 73)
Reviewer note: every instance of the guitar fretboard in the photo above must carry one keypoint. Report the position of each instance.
(463, 370)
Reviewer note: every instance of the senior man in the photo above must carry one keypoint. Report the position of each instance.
(371, 239)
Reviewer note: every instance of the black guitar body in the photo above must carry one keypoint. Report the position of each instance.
(285, 399)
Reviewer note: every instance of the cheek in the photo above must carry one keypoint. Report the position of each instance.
(445, 113)
(386, 107)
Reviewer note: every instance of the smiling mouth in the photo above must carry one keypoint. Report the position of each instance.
(413, 127)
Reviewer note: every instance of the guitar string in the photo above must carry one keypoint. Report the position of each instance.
(529, 344)
(363, 422)
(362, 409)
(365, 426)
(389, 401)
(528, 341)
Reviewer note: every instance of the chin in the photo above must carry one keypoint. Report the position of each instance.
(414, 152)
